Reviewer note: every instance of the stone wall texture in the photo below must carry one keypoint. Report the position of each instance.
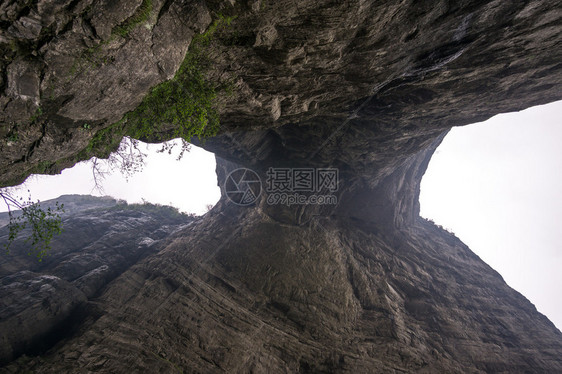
(365, 285)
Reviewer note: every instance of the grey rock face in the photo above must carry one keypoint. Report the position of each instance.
(66, 64)
(33, 306)
(239, 291)
(42, 300)
(364, 285)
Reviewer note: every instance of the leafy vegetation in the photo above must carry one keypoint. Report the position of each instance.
(157, 210)
(13, 135)
(182, 107)
(185, 102)
(92, 56)
(128, 159)
(43, 223)
(141, 15)
(36, 115)
(449, 230)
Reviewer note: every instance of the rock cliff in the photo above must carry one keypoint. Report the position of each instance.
(43, 301)
(365, 88)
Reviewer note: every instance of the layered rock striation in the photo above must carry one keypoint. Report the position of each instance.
(44, 301)
(362, 284)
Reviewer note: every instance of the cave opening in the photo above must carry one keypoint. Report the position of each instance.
(156, 174)
(496, 185)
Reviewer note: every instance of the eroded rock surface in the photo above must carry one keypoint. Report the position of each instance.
(41, 302)
(70, 68)
(363, 285)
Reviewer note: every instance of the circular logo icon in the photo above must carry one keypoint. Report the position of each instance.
(242, 186)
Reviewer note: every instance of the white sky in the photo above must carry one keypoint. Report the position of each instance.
(497, 185)
(189, 184)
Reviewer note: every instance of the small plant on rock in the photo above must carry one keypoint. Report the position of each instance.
(43, 223)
